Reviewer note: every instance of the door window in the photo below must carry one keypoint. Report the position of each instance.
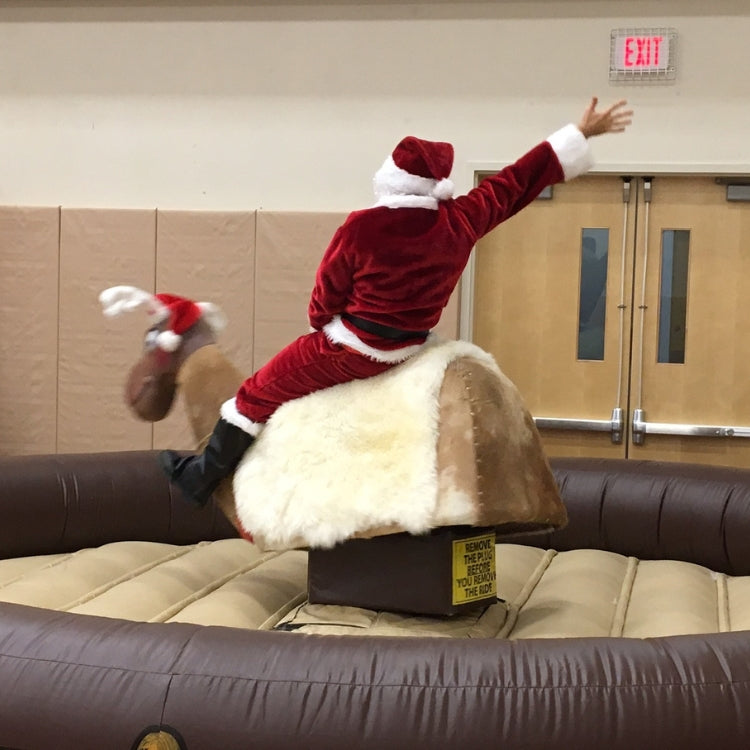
(675, 249)
(592, 293)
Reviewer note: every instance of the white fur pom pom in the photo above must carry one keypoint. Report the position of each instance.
(444, 189)
(168, 341)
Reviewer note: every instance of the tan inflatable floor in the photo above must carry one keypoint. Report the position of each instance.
(229, 582)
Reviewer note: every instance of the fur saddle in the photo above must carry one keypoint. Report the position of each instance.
(443, 439)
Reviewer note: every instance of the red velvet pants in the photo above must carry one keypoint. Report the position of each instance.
(308, 364)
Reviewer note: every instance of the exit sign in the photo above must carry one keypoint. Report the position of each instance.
(642, 55)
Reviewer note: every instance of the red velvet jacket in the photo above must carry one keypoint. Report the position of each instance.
(399, 266)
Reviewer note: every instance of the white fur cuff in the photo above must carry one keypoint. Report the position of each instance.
(230, 414)
(408, 201)
(572, 150)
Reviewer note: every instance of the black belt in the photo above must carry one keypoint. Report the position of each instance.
(385, 332)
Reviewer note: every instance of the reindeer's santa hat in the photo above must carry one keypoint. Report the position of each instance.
(173, 315)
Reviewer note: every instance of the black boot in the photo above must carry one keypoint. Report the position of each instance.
(198, 476)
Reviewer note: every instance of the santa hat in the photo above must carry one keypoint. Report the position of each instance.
(181, 313)
(418, 169)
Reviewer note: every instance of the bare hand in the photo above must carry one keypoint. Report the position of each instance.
(612, 120)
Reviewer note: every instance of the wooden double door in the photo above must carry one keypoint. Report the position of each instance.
(620, 307)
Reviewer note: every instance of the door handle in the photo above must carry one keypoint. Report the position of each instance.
(613, 425)
(641, 428)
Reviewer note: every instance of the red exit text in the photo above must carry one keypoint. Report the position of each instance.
(642, 51)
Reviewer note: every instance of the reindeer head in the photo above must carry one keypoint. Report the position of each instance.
(178, 327)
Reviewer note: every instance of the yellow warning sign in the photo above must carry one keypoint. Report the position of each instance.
(474, 575)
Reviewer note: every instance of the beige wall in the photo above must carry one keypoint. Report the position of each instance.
(292, 105)
(29, 304)
(63, 365)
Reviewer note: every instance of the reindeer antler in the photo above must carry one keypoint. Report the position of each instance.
(119, 299)
(182, 313)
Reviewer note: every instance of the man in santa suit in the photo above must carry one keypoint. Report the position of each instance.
(385, 278)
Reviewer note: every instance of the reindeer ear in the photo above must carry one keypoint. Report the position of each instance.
(213, 316)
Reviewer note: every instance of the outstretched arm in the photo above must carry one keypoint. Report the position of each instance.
(565, 155)
(614, 119)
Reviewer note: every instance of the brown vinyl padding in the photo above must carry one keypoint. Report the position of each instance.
(75, 681)
(655, 511)
(65, 502)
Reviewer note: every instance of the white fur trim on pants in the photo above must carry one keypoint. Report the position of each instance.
(230, 414)
(572, 150)
(337, 333)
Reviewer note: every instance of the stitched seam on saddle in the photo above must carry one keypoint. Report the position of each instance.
(127, 576)
(514, 607)
(478, 503)
(722, 604)
(46, 566)
(623, 601)
(209, 587)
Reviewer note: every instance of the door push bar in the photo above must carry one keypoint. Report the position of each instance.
(641, 428)
(614, 425)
